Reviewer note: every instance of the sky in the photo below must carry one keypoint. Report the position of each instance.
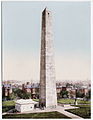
(21, 39)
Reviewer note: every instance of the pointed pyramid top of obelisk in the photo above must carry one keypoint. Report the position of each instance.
(46, 9)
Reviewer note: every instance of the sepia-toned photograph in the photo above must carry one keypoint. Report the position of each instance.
(46, 59)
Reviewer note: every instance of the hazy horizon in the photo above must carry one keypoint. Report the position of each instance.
(21, 38)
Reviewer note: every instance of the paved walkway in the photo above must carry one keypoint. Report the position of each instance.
(62, 110)
(59, 108)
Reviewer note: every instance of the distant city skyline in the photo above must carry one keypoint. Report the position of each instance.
(21, 38)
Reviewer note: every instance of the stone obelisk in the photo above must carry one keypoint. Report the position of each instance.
(48, 96)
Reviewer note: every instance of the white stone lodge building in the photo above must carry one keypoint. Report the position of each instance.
(25, 105)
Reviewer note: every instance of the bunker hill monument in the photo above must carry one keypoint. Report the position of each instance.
(48, 96)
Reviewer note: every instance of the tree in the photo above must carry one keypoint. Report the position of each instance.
(58, 96)
(37, 93)
(21, 94)
(64, 94)
(12, 96)
(26, 96)
(79, 94)
(88, 95)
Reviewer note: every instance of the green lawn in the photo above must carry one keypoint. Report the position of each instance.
(71, 101)
(7, 105)
(37, 100)
(37, 115)
(68, 101)
(83, 111)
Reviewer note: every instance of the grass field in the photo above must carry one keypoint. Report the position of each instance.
(71, 101)
(37, 100)
(68, 101)
(8, 105)
(37, 115)
(83, 111)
